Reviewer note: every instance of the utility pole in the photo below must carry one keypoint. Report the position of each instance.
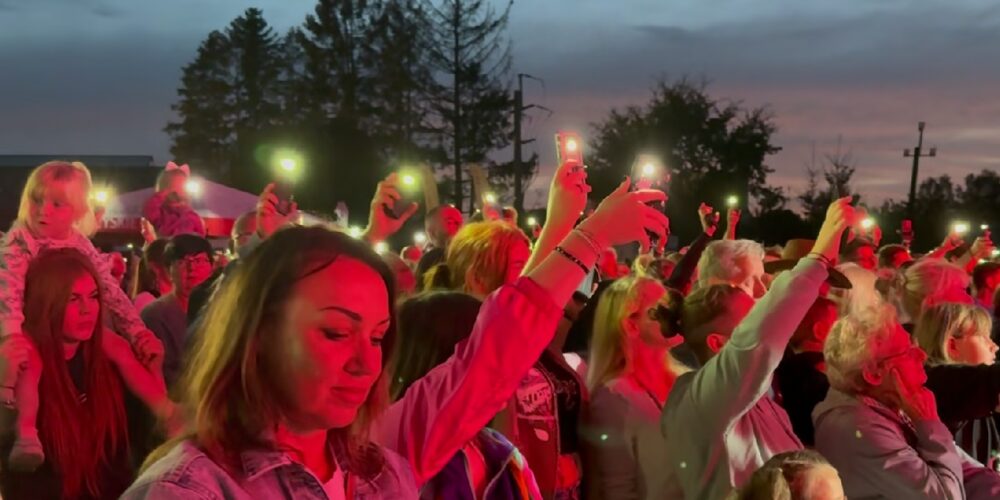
(917, 154)
(519, 109)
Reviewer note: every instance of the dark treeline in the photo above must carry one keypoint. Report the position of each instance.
(363, 87)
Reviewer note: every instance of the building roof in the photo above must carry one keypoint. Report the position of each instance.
(98, 161)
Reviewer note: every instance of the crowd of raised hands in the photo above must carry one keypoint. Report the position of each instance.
(487, 363)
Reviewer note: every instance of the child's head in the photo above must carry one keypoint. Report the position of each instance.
(56, 199)
(172, 181)
(793, 475)
(955, 333)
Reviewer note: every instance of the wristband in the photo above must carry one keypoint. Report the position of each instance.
(589, 239)
(822, 258)
(572, 258)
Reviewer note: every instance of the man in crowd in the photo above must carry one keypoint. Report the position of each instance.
(893, 257)
(985, 279)
(861, 251)
(738, 263)
(442, 224)
(719, 422)
(189, 261)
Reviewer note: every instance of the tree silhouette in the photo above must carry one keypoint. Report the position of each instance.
(470, 49)
(712, 148)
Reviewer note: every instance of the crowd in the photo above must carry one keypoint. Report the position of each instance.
(487, 363)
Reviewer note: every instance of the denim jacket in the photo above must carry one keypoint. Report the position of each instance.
(187, 473)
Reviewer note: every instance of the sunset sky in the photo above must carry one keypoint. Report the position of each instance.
(98, 76)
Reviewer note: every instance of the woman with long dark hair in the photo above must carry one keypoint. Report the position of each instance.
(286, 383)
(93, 431)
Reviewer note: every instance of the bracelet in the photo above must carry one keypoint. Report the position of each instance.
(562, 251)
(823, 259)
(589, 239)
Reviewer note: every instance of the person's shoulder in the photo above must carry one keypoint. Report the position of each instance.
(184, 472)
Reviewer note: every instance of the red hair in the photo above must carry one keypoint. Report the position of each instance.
(78, 437)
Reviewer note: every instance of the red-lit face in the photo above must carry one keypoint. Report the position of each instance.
(83, 310)
(901, 355)
(972, 348)
(330, 345)
(451, 221)
(53, 213)
(406, 280)
(865, 257)
(190, 272)
(901, 258)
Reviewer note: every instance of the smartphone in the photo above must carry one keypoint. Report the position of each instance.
(283, 191)
(409, 192)
(649, 172)
(569, 148)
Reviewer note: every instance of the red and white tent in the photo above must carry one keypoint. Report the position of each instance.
(218, 205)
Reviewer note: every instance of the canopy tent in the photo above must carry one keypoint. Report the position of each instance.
(218, 205)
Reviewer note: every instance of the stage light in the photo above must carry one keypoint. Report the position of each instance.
(287, 164)
(532, 221)
(193, 187)
(419, 238)
(732, 201)
(960, 228)
(868, 223)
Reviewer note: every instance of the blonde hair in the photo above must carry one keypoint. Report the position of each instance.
(60, 171)
(607, 347)
(944, 321)
(928, 279)
(482, 248)
(853, 344)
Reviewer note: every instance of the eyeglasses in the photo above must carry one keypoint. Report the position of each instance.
(195, 261)
(914, 352)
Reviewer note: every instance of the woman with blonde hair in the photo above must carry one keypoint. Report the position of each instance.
(482, 257)
(55, 212)
(629, 377)
(936, 279)
(287, 384)
(962, 374)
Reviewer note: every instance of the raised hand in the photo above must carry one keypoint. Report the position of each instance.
(709, 219)
(567, 195)
(624, 217)
(269, 219)
(147, 230)
(381, 225)
(916, 401)
(839, 216)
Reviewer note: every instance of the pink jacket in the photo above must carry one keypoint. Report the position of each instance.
(446, 408)
(171, 221)
(19, 247)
